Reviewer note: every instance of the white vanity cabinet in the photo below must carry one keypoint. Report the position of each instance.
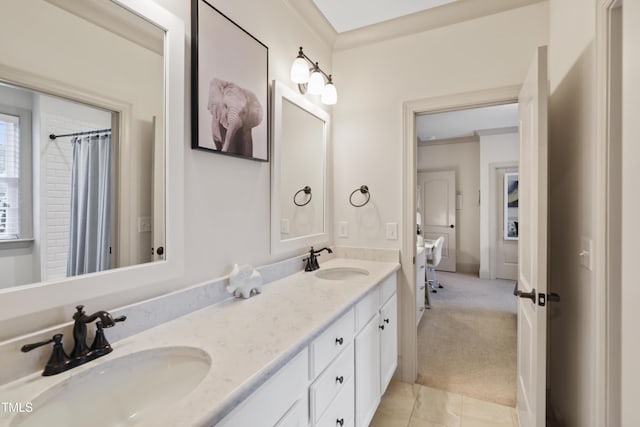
(421, 262)
(376, 347)
(280, 402)
(339, 378)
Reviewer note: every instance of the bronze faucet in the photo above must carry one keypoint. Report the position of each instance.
(312, 260)
(81, 353)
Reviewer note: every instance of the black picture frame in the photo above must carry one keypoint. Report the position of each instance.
(230, 108)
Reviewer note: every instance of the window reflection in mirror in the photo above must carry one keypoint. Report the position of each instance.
(75, 205)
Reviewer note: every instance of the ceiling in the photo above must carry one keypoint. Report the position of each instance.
(465, 123)
(352, 14)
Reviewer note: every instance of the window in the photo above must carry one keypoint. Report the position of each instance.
(15, 217)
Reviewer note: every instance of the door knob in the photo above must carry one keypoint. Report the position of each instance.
(530, 295)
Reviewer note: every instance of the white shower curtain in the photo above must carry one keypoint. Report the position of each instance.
(90, 225)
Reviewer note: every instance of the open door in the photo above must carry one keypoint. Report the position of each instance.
(532, 247)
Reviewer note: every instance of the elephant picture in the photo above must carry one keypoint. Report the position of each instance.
(235, 111)
(230, 106)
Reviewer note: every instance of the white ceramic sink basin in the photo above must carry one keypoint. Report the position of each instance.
(120, 392)
(341, 273)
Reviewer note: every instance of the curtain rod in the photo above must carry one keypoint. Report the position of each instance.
(53, 136)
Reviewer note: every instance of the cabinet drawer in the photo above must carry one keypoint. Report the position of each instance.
(367, 308)
(273, 399)
(330, 383)
(341, 410)
(331, 342)
(387, 288)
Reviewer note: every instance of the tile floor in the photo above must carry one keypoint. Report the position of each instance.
(414, 405)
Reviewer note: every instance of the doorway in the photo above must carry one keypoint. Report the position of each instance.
(467, 340)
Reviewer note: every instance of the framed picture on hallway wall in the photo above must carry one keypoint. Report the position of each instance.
(511, 206)
(229, 86)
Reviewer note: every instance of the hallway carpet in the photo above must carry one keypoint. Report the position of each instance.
(467, 340)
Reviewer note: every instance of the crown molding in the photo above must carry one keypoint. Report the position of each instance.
(452, 13)
(309, 12)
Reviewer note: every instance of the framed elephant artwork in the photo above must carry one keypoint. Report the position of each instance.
(229, 86)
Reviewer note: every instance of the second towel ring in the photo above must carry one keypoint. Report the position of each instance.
(364, 190)
(306, 190)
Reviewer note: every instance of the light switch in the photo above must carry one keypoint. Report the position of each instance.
(392, 231)
(586, 252)
(343, 229)
(284, 226)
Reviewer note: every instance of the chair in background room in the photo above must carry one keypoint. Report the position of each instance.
(432, 264)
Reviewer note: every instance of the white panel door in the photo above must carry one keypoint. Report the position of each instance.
(532, 246)
(439, 212)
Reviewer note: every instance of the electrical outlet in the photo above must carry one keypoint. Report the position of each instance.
(343, 229)
(392, 231)
(144, 224)
(284, 226)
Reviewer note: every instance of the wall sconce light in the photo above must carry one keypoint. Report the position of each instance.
(312, 79)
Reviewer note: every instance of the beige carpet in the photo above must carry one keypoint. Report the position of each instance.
(467, 340)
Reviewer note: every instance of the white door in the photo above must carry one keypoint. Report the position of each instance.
(532, 260)
(439, 212)
(506, 250)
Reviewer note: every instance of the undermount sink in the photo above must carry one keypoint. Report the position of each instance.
(341, 273)
(120, 392)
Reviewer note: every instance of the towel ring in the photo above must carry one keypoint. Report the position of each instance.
(306, 190)
(364, 190)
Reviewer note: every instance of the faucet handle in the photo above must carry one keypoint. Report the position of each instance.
(57, 338)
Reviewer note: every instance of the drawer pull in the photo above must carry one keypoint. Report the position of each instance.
(339, 341)
(340, 422)
(340, 379)
(422, 266)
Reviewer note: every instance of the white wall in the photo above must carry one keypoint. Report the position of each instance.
(376, 79)
(494, 149)
(464, 158)
(630, 213)
(571, 204)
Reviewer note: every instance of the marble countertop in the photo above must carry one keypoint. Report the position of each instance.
(247, 340)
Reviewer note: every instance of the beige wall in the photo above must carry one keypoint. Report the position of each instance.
(572, 203)
(464, 159)
(375, 80)
(630, 213)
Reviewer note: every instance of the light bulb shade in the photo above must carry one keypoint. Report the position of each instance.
(316, 83)
(329, 94)
(300, 71)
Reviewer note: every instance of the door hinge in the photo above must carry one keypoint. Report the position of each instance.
(414, 260)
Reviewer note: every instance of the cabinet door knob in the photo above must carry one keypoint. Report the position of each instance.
(386, 321)
(340, 422)
(340, 379)
(339, 341)
(381, 327)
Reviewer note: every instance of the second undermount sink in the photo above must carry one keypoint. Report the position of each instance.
(121, 392)
(341, 273)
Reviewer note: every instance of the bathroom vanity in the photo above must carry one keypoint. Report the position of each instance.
(308, 351)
